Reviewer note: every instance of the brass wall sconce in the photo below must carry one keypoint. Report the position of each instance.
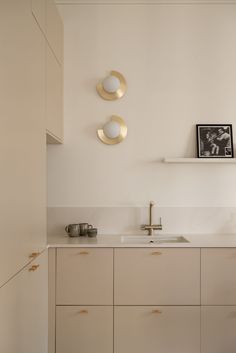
(112, 87)
(114, 131)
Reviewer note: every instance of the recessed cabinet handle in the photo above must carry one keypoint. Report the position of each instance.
(33, 255)
(156, 311)
(83, 312)
(83, 253)
(156, 253)
(33, 268)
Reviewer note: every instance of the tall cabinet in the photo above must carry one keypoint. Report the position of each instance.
(24, 98)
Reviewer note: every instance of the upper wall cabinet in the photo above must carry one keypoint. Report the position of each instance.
(54, 30)
(38, 8)
(54, 105)
(54, 74)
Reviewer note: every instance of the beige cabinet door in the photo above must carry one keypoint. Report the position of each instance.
(84, 329)
(54, 29)
(156, 329)
(22, 137)
(23, 310)
(39, 11)
(218, 268)
(218, 329)
(54, 97)
(157, 276)
(84, 276)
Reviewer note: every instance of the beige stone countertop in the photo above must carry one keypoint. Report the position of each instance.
(124, 241)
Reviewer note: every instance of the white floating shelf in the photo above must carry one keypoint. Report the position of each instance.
(201, 160)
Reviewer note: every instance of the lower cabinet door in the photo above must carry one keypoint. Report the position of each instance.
(154, 329)
(84, 329)
(218, 329)
(23, 310)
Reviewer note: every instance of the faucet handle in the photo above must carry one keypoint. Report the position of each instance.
(143, 227)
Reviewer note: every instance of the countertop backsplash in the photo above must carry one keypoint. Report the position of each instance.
(127, 220)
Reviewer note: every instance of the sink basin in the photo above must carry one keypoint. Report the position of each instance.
(152, 239)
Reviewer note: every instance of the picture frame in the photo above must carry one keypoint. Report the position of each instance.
(215, 141)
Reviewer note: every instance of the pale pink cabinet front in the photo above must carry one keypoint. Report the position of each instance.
(218, 280)
(151, 329)
(84, 276)
(218, 326)
(84, 329)
(157, 276)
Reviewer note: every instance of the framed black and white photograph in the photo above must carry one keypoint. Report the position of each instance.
(215, 141)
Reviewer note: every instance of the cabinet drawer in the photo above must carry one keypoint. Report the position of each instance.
(157, 276)
(85, 276)
(218, 326)
(84, 329)
(157, 329)
(218, 267)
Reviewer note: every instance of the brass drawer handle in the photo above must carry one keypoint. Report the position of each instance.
(33, 255)
(83, 253)
(156, 311)
(83, 312)
(33, 267)
(156, 253)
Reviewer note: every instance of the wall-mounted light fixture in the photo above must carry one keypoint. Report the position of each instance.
(114, 131)
(112, 87)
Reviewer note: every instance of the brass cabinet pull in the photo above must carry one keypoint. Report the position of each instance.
(33, 267)
(83, 253)
(156, 311)
(156, 253)
(33, 255)
(83, 311)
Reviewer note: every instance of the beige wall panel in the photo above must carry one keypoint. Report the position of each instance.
(84, 276)
(218, 267)
(171, 330)
(23, 310)
(54, 104)
(157, 277)
(218, 327)
(39, 12)
(54, 29)
(84, 329)
(22, 137)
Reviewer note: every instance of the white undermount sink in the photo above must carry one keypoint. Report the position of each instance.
(152, 239)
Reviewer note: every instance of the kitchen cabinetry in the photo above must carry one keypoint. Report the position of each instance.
(39, 11)
(85, 329)
(22, 137)
(154, 305)
(54, 105)
(157, 276)
(84, 300)
(49, 21)
(218, 326)
(164, 329)
(218, 276)
(84, 276)
(54, 74)
(23, 310)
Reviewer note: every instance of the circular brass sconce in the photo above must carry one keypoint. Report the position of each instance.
(113, 132)
(112, 87)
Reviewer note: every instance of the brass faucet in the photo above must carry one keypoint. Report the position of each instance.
(151, 227)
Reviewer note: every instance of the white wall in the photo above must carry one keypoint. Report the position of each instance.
(179, 62)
